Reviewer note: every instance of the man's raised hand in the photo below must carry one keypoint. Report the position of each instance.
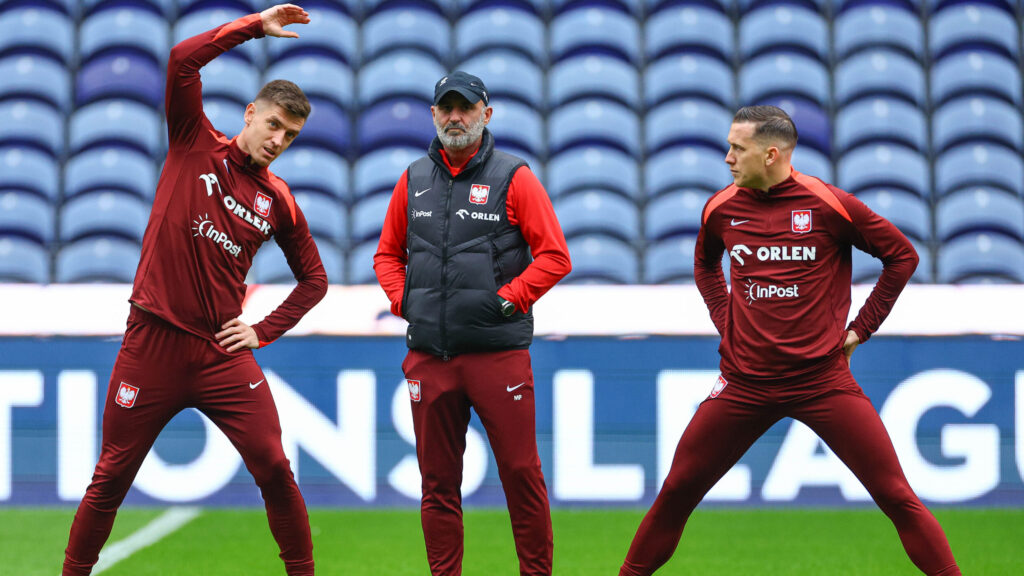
(277, 17)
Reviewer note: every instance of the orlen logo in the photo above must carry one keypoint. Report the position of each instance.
(203, 226)
(775, 253)
(756, 291)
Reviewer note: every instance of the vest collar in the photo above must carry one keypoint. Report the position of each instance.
(481, 156)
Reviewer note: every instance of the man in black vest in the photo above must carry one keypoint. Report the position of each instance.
(470, 242)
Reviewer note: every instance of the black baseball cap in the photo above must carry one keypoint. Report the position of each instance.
(464, 83)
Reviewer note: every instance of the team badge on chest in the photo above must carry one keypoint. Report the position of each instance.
(801, 223)
(262, 204)
(478, 193)
(414, 390)
(126, 395)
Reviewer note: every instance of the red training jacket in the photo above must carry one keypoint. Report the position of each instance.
(790, 251)
(214, 209)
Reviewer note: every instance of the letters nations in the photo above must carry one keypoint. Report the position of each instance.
(340, 442)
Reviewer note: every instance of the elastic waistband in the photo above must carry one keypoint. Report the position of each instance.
(138, 314)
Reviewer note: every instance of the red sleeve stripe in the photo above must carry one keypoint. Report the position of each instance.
(718, 199)
(232, 26)
(821, 191)
(284, 193)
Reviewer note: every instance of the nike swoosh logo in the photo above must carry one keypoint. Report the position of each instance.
(422, 192)
(511, 388)
(736, 222)
(253, 386)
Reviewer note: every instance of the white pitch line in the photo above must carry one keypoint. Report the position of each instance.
(148, 535)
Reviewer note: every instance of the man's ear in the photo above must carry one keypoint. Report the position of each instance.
(771, 155)
(250, 113)
(487, 114)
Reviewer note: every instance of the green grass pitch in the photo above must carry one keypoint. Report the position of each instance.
(589, 542)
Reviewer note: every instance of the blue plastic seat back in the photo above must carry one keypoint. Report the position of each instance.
(406, 27)
(232, 78)
(885, 165)
(689, 28)
(37, 29)
(330, 33)
(29, 170)
(784, 74)
(598, 259)
(595, 29)
(977, 118)
(508, 74)
(516, 124)
(368, 217)
(318, 76)
(593, 167)
(670, 261)
(100, 259)
(979, 209)
(881, 120)
(360, 263)
(813, 163)
(588, 76)
(879, 72)
(687, 121)
(689, 75)
(784, 27)
(328, 126)
(314, 168)
(25, 122)
(979, 164)
(104, 213)
(598, 212)
(685, 167)
(204, 19)
(36, 77)
(508, 28)
(674, 213)
(117, 122)
(878, 26)
(981, 254)
(908, 212)
(380, 170)
(967, 26)
(327, 218)
(23, 260)
(399, 74)
(594, 122)
(120, 75)
(26, 215)
(124, 28)
(975, 72)
(110, 169)
(397, 122)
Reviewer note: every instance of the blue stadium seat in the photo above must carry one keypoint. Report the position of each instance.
(328, 126)
(594, 29)
(37, 77)
(598, 259)
(329, 33)
(185, 7)
(977, 118)
(878, 26)
(166, 8)
(979, 209)
(821, 6)
(314, 169)
(104, 214)
(120, 75)
(23, 260)
(598, 212)
(809, 161)
(593, 168)
(110, 169)
(233, 79)
(784, 74)
(29, 170)
(633, 7)
(26, 215)
(37, 29)
(406, 28)
(674, 213)
(326, 217)
(910, 213)
(226, 115)
(670, 261)
(98, 260)
(866, 268)
(689, 28)
(201, 20)
(687, 121)
(360, 263)
(124, 28)
(518, 125)
(26, 122)
(325, 78)
(594, 122)
(508, 74)
(881, 120)
(811, 120)
(879, 72)
(979, 164)
(117, 122)
(271, 267)
(981, 255)
(884, 165)
(685, 167)
(588, 76)
(398, 122)
(380, 170)
(971, 26)
(787, 27)
(508, 28)
(368, 217)
(975, 73)
(689, 75)
(399, 74)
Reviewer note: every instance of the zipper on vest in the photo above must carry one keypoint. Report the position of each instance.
(444, 270)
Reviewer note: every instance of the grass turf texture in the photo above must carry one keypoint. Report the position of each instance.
(587, 542)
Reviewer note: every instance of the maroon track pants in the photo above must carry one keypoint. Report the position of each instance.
(499, 386)
(836, 409)
(174, 370)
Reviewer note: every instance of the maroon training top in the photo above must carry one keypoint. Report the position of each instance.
(214, 208)
(790, 274)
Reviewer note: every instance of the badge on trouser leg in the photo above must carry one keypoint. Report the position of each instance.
(720, 385)
(126, 395)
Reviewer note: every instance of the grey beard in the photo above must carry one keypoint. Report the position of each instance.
(473, 132)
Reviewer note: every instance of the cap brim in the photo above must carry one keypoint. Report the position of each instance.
(466, 93)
